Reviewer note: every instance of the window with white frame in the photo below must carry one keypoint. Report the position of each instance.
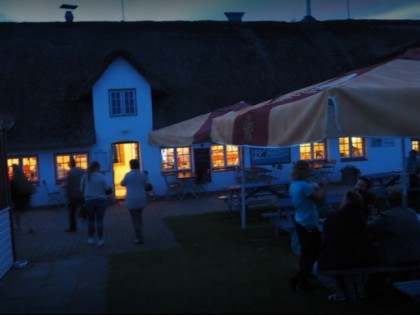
(176, 159)
(122, 102)
(352, 147)
(28, 164)
(224, 155)
(313, 151)
(62, 164)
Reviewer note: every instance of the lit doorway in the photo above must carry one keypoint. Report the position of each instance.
(122, 153)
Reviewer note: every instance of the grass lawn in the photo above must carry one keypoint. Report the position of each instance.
(221, 269)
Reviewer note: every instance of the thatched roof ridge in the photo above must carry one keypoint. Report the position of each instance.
(193, 67)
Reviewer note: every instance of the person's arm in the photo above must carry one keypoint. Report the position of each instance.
(319, 195)
(124, 181)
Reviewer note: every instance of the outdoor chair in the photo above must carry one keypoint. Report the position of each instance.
(173, 186)
(52, 195)
(274, 174)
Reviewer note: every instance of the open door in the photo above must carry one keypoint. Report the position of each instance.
(122, 153)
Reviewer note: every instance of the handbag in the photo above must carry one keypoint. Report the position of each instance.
(148, 187)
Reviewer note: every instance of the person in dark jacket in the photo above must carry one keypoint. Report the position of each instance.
(346, 244)
(21, 190)
(396, 232)
(74, 194)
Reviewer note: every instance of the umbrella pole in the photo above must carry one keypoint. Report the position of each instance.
(404, 175)
(243, 207)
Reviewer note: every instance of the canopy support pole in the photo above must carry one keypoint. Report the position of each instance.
(243, 206)
(404, 175)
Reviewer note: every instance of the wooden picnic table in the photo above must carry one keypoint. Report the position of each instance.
(254, 189)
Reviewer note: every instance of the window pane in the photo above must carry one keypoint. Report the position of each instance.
(305, 151)
(168, 159)
(183, 158)
(319, 149)
(344, 147)
(28, 164)
(62, 163)
(217, 155)
(130, 108)
(232, 153)
(357, 147)
(115, 103)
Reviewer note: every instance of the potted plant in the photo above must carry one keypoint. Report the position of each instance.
(349, 174)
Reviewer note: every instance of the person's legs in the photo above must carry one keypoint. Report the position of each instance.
(330, 282)
(310, 240)
(90, 208)
(100, 213)
(73, 206)
(136, 219)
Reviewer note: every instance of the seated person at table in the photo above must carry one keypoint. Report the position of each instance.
(396, 233)
(345, 244)
(370, 200)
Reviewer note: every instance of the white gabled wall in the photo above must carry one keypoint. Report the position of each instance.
(121, 75)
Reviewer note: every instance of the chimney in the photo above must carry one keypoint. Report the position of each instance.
(234, 16)
(308, 17)
(69, 14)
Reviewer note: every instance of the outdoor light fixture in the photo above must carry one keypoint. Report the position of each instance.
(69, 15)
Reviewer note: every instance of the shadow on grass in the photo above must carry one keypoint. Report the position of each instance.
(221, 269)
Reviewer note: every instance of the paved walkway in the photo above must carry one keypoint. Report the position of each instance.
(65, 275)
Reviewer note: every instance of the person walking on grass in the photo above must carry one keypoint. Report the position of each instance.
(136, 198)
(305, 200)
(95, 190)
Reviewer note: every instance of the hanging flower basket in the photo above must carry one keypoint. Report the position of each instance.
(349, 174)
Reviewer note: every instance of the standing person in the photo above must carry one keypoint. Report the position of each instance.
(95, 190)
(305, 200)
(74, 194)
(346, 244)
(136, 198)
(21, 190)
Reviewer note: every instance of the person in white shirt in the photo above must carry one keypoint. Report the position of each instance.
(136, 199)
(95, 190)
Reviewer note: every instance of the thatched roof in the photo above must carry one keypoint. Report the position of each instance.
(193, 67)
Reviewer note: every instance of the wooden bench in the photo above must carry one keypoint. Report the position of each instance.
(349, 273)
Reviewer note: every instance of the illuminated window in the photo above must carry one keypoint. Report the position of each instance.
(312, 151)
(62, 164)
(174, 159)
(352, 147)
(122, 102)
(29, 165)
(224, 155)
(415, 144)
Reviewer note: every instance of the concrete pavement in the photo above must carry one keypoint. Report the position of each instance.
(65, 275)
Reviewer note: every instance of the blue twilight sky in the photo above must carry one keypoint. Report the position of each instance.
(192, 10)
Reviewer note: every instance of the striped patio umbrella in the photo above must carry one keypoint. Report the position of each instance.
(377, 101)
(194, 130)
(382, 100)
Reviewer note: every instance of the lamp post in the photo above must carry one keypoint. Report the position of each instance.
(69, 14)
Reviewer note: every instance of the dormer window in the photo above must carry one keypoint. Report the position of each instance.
(122, 102)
